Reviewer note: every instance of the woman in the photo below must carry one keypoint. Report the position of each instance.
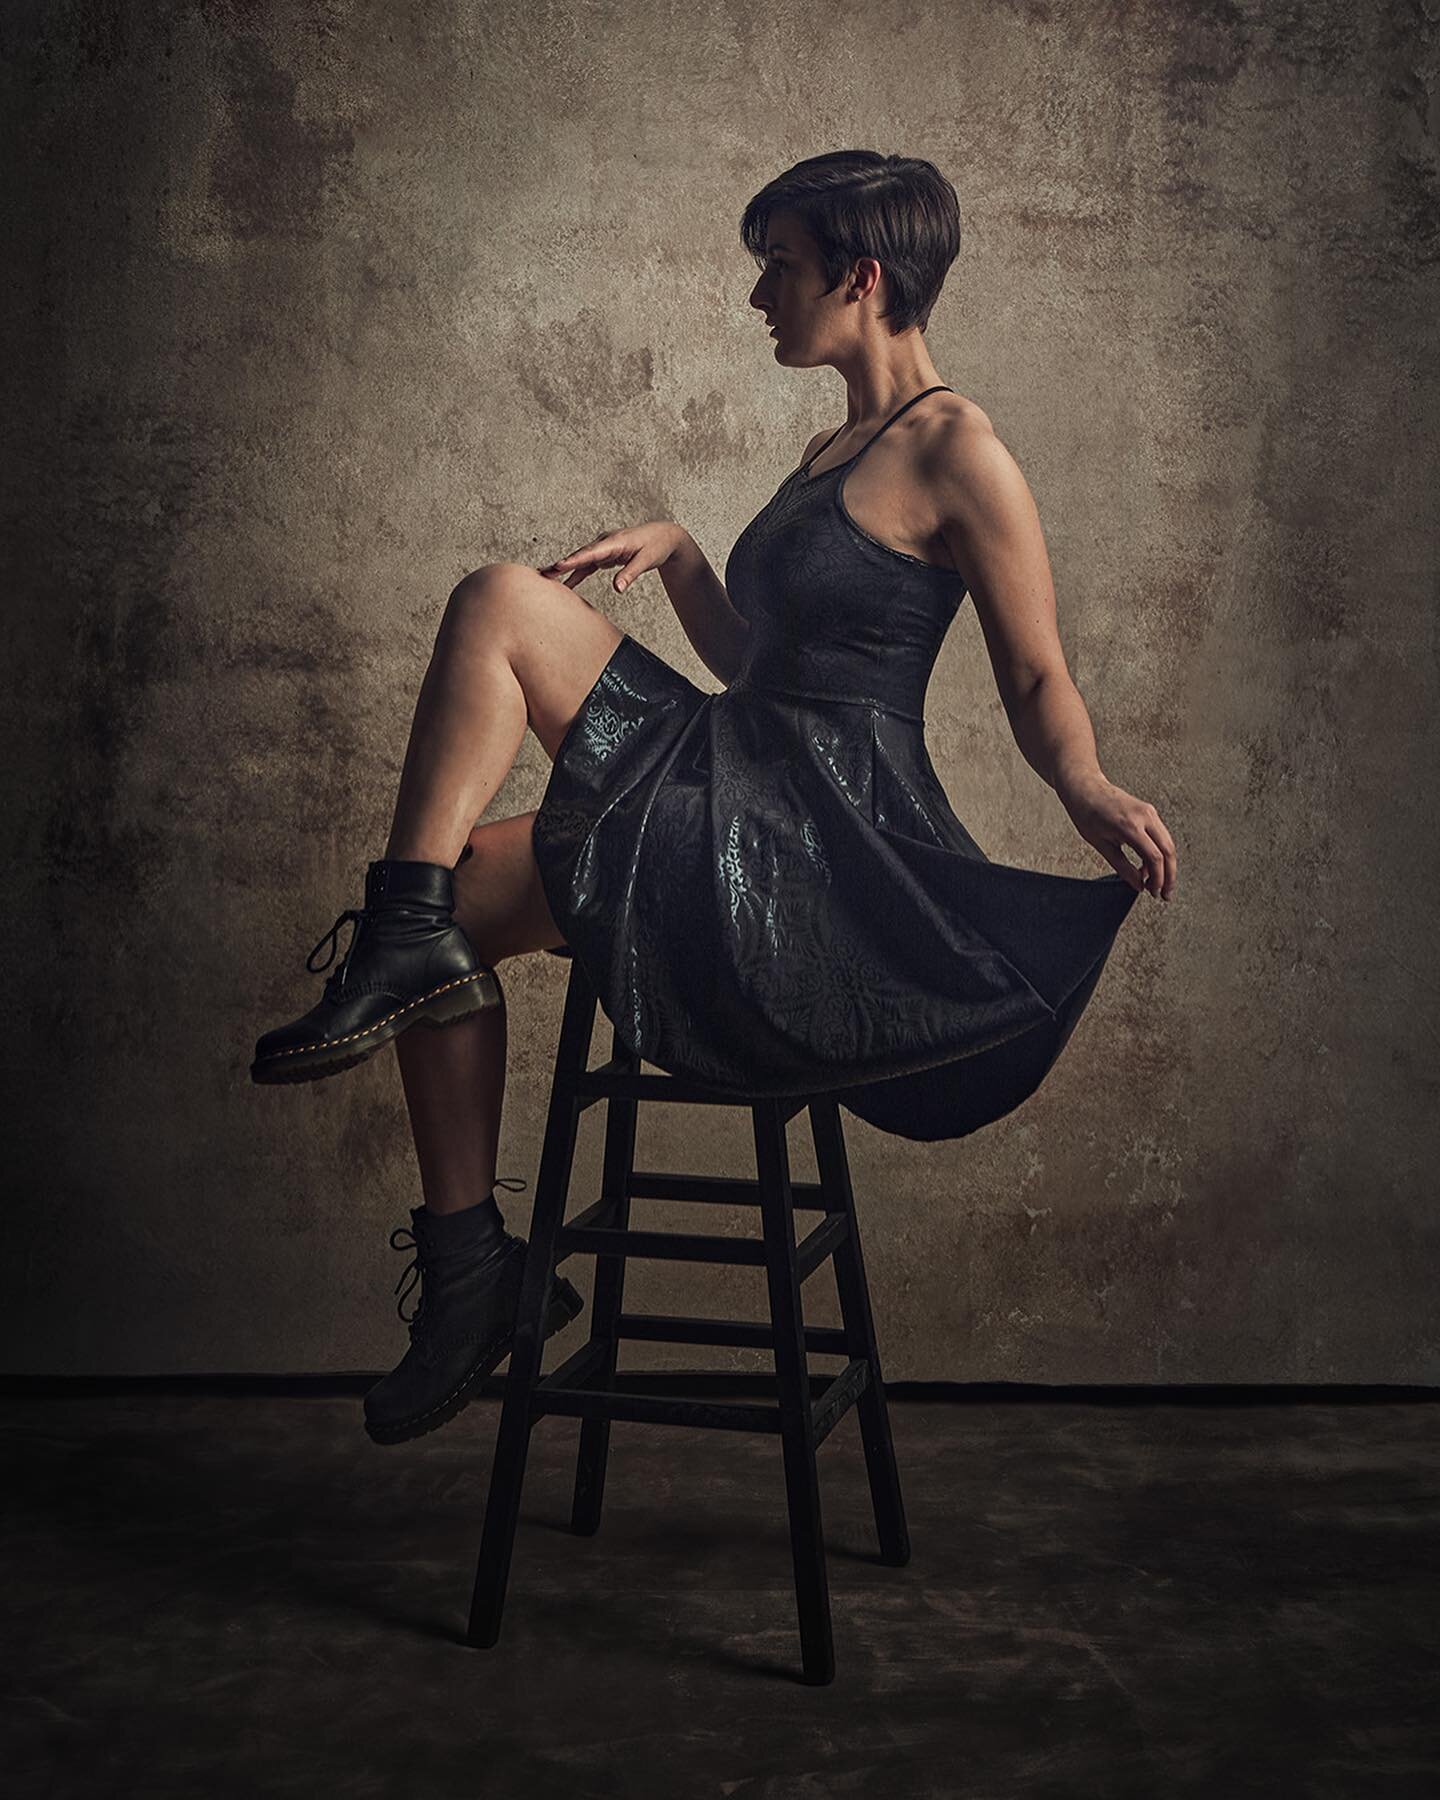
(767, 885)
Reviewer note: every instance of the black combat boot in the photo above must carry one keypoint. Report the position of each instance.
(407, 963)
(464, 1322)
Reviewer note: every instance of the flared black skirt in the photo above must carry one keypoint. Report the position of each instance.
(774, 896)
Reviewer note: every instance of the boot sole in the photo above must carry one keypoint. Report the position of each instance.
(565, 1305)
(460, 999)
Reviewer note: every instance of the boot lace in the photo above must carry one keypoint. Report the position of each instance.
(397, 914)
(356, 915)
(403, 1238)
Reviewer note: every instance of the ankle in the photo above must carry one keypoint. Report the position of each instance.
(478, 1223)
(412, 851)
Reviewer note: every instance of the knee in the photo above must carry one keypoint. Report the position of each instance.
(483, 592)
(491, 579)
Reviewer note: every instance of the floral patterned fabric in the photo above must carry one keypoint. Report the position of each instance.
(768, 886)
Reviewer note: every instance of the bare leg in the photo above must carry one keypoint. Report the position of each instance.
(513, 648)
(454, 1078)
(454, 1081)
(469, 723)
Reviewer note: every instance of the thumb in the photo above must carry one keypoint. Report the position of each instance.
(636, 566)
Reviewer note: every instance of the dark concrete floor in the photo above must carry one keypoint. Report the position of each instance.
(212, 1595)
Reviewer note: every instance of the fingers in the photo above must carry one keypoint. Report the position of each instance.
(604, 553)
(1156, 874)
(1126, 823)
(1164, 872)
(570, 570)
(575, 567)
(1122, 865)
(570, 581)
(1145, 879)
(1167, 851)
(567, 574)
(1156, 848)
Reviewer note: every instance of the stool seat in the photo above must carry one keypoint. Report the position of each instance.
(587, 1384)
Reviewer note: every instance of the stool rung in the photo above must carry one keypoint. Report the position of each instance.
(583, 1237)
(617, 1079)
(652, 1409)
(827, 1408)
(673, 1328)
(673, 1246)
(721, 1190)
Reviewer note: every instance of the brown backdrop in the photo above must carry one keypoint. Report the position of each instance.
(310, 309)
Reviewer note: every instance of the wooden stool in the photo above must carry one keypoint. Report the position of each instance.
(585, 1386)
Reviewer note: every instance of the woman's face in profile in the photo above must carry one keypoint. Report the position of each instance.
(789, 285)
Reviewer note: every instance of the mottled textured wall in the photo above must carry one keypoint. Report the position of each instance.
(310, 308)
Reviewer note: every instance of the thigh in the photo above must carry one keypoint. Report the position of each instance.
(499, 902)
(556, 641)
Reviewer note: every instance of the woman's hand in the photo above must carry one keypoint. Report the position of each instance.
(638, 547)
(1107, 817)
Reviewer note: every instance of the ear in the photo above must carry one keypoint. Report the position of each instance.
(865, 277)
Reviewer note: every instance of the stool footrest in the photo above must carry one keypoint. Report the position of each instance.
(557, 1393)
(722, 1190)
(586, 1236)
(674, 1328)
(661, 1246)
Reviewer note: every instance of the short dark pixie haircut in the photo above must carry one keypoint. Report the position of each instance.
(899, 209)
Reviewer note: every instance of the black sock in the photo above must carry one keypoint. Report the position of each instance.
(477, 1227)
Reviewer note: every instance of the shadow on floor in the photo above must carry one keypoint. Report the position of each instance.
(231, 1594)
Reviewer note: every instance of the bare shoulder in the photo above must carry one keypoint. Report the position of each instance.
(961, 435)
(955, 412)
(976, 481)
(942, 417)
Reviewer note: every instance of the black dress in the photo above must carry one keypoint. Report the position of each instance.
(768, 886)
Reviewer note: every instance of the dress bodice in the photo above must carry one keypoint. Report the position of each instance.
(835, 615)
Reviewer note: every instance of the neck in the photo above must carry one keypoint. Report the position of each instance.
(877, 382)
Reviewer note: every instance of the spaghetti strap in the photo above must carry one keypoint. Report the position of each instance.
(821, 451)
(939, 388)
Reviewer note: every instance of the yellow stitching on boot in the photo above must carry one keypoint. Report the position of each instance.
(331, 1043)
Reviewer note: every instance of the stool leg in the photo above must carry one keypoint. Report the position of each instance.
(512, 1444)
(792, 1373)
(607, 1298)
(859, 1326)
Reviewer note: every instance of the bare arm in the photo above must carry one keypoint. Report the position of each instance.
(713, 626)
(992, 529)
(718, 632)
